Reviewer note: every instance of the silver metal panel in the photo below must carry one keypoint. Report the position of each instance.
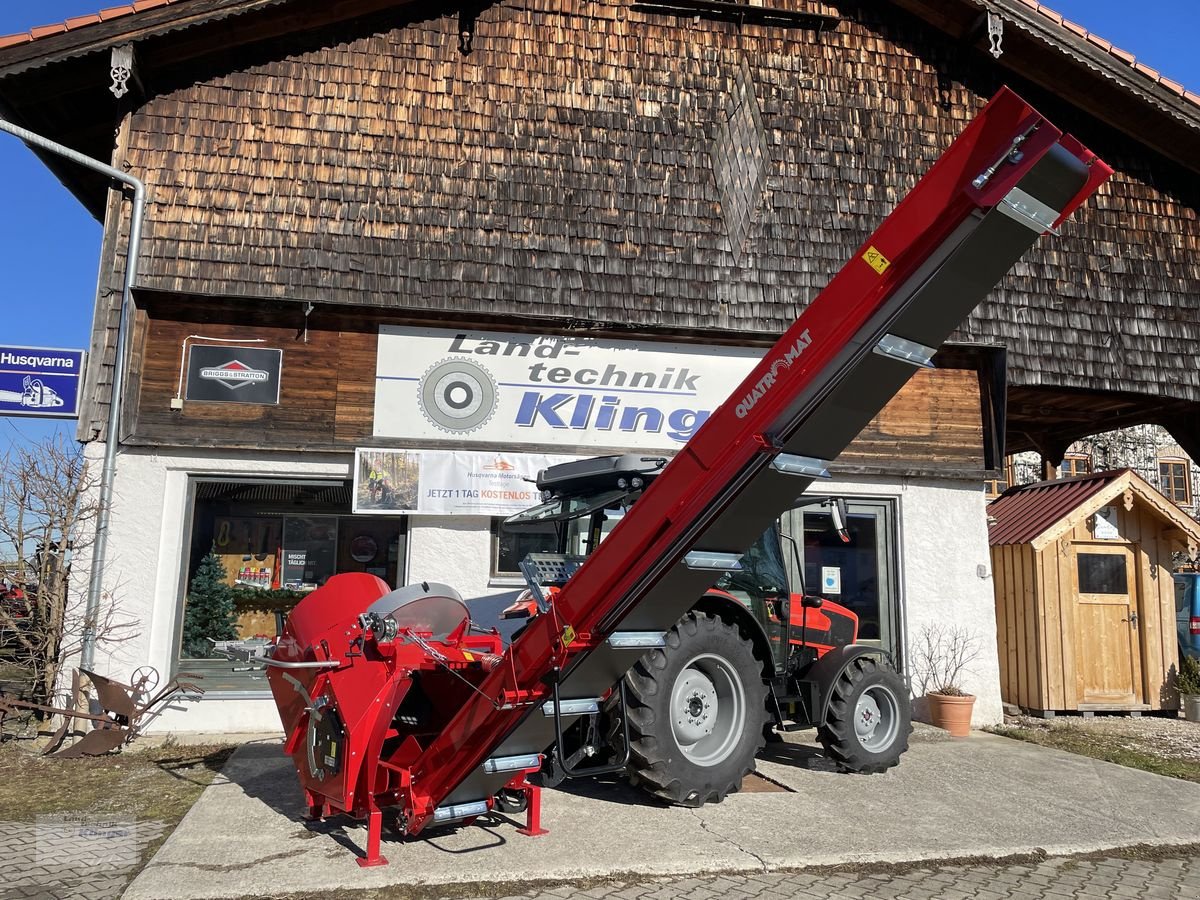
(907, 351)
(630, 640)
(1028, 210)
(794, 464)
(512, 763)
(713, 559)
(456, 811)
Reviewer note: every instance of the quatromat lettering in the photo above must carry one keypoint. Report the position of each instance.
(790, 355)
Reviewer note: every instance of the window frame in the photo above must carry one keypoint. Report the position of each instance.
(1074, 459)
(494, 570)
(1185, 478)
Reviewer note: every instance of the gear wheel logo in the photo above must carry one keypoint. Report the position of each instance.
(457, 395)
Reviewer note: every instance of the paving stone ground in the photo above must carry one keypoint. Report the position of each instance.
(68, 857)
(1051, 879)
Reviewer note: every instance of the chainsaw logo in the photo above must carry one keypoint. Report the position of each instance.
(499, 465)
(457, 395)
(235, 374)
(36, 395)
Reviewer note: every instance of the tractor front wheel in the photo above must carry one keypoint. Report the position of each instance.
(869, 719)
(697, 708)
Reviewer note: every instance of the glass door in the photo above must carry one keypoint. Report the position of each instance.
(861, 574)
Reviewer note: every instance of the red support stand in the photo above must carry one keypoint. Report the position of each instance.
(374, 832)
(533, 811)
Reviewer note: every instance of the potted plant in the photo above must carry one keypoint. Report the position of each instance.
(1188, 684)
(941, 658)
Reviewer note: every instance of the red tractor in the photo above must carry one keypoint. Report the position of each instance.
(750, 656)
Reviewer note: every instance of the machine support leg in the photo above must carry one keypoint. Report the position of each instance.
(374, 831)
(533, 811)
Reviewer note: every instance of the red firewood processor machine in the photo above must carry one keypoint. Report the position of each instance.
(390, 700)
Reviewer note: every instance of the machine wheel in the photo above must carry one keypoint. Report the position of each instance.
(697, 708)
(869, 720)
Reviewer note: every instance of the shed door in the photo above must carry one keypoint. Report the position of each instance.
(1106, 625)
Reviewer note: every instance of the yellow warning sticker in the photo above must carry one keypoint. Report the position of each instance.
(876, 260)
(468, 656)
(568, 636)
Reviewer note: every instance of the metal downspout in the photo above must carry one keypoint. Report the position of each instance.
(108, 473)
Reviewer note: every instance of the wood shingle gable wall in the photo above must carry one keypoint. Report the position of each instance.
(595, 162)
(576, 165)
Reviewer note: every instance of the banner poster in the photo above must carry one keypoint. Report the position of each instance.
(572, 391)
(447, 482)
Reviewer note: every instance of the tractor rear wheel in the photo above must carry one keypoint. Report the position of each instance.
(697, 708)
(869, 719)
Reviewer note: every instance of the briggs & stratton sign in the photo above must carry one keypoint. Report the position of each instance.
(232, 374)
(570, 390)
(40, 381)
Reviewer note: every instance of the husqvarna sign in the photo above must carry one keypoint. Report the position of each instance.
(40, 381)
(567, 390)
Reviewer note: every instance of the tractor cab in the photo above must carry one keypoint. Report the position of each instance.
(586, 499)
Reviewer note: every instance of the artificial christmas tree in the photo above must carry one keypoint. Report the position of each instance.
(208, 615)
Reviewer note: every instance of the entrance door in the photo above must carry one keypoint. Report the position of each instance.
(1107, 660)
(861, 574)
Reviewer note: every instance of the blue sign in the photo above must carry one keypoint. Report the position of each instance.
(40, 381)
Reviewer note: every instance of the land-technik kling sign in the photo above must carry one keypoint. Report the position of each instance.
(513, 389)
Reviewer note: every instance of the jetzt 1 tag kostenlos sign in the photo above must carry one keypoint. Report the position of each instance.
(40, 381)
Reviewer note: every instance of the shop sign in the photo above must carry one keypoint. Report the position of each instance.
(40, 381)
(232, 374)
(513, 389)
(447, 482)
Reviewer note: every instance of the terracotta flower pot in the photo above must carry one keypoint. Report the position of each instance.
(1191, 707)
(951, 713)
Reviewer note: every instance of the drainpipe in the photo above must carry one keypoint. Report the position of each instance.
(108, 473)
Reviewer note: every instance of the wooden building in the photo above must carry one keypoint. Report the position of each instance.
(1085, 602)
(353, 194)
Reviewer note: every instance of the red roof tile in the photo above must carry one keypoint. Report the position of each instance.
(1022, 513)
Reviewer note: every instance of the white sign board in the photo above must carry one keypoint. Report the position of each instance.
(1106, 524)
(447, 482)
(571, 390)
(831, 579)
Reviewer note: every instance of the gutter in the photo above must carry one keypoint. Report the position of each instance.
(112, 438)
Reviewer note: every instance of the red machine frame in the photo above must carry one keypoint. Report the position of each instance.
(492, 690)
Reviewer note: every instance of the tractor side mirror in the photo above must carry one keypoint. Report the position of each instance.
(841, 518)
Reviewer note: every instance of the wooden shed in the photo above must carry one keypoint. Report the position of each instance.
(1085, 611)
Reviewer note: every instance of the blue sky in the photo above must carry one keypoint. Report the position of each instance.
(49, 247)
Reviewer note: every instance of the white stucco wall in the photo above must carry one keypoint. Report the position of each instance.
(942, 545)
(942, 541)
(455, 551)
(145, 569)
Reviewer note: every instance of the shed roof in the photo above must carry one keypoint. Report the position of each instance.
(1039, 513)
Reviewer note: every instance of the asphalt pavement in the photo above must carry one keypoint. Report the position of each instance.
(984, 796)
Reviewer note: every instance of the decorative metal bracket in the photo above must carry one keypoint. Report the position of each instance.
(995, 33)
(121, 69)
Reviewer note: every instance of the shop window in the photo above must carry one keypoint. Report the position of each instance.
(1075, 464)
(1175, 480)
(509, 547)
(276, 541)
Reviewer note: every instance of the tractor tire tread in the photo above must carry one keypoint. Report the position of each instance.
(649, 765)
(836, 734)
